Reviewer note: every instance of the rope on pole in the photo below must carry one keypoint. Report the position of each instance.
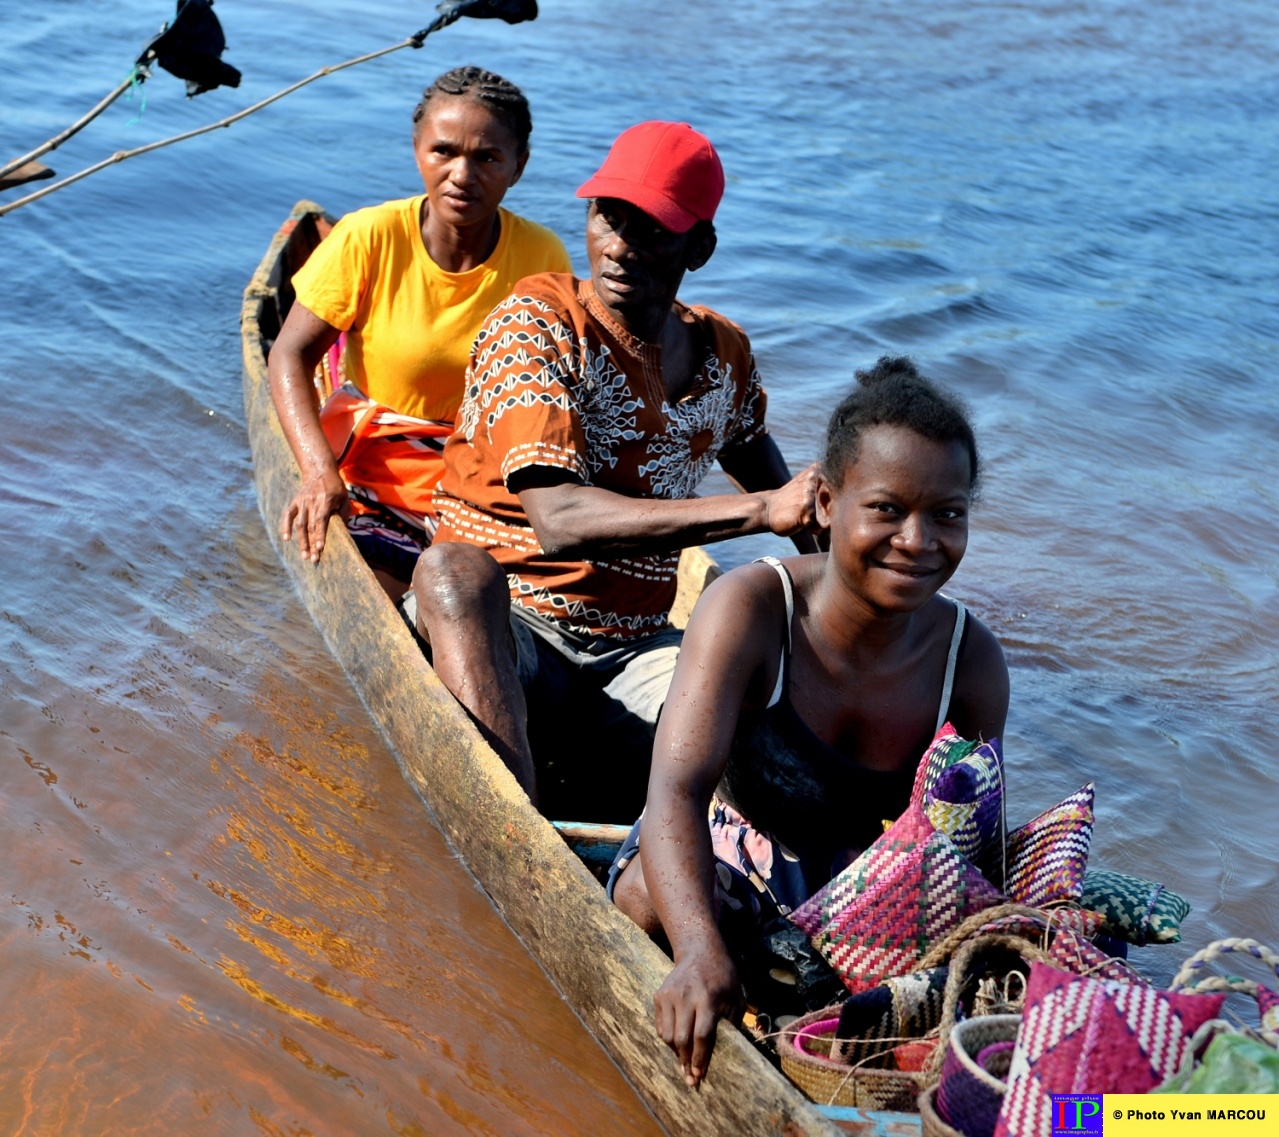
(140, 73)
(414, 40)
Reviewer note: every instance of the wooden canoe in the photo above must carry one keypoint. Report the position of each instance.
(601, 963)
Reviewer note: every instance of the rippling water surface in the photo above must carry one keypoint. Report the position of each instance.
(220, 907)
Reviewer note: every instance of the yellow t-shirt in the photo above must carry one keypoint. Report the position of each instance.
(410, 324)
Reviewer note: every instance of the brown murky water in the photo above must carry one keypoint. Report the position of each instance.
(221, 911)
(223, 907)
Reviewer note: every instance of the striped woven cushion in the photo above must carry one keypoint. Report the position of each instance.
(1048, 855)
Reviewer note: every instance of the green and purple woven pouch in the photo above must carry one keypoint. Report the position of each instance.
(966, 802)
(945, 750)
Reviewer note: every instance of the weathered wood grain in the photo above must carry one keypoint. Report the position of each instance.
(602, 964)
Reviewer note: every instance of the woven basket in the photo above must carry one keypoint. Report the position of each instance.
(1192, 978)
(931, 1124)
(969, 1096)
(1035, 923)
(962, 968)
(804, 1048)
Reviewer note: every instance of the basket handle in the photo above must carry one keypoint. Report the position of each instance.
(946, 947)
(1189, 975)
(1192, 977)
(962, 964)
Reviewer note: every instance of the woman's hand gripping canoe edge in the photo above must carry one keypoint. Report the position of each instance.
(297, 351)
(700, 990)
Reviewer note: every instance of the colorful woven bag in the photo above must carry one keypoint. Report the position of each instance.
(1072, 952)
(966, 802)
(882, 913)
(1082, 1035)
(1047, 857)
(973, 1085)
(1136, 910)
(945, 750)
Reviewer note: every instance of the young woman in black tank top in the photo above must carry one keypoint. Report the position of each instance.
(831, 751)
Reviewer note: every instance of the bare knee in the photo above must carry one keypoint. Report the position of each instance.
(456, 582)
(630, 894)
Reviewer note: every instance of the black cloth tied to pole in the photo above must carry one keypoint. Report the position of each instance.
(191, 48)
(512, 11)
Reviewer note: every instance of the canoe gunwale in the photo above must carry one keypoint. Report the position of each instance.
(605, 968)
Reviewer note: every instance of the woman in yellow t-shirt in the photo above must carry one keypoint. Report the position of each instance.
(410, 282)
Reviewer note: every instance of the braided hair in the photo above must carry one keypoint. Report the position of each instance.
(894, 393)
(500, 96)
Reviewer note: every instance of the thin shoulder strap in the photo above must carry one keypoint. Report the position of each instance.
(952, 659)
(789, 589)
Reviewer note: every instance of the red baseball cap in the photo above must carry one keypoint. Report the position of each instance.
(667, 169)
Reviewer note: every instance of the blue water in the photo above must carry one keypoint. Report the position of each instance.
(1067, 211)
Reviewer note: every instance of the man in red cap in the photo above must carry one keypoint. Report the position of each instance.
(593, 409)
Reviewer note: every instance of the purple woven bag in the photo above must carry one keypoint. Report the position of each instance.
(969, 1096)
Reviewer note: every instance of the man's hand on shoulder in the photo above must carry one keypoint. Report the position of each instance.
(758, 467)
(792, 509)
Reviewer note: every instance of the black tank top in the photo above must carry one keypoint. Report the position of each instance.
(789, 783)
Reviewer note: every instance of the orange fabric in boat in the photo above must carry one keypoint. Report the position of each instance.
(557, 382)
(402, 470)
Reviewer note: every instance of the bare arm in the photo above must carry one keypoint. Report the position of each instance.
(759, 465)
(573, 520)
(729, 650)
(297, 351)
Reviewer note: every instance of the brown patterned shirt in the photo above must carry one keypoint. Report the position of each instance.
(555, 381)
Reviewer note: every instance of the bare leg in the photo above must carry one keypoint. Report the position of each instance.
(393, 586)
(630, 894)
(463, 611)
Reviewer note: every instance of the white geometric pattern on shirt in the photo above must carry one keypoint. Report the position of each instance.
(656, 568)
(528, 332)
(577, 615)
(672, 470)
(606, 406)
(518, 329)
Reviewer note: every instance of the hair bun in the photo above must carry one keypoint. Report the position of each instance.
(888, 369)
(894, 393)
